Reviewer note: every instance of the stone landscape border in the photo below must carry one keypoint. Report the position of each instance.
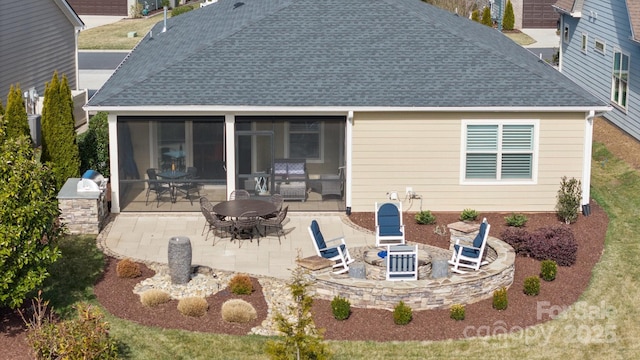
(424, 294)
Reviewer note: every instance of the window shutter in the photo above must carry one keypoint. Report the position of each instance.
(481, 166)
(517, 137)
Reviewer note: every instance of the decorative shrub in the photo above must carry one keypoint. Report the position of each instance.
(238, 311)
(85, 337)
(425, 218)
(193, 306)
(127, 268)
(402, 314)
(508, 20)
(241, 284)
(475, 15)
(516, 220)
(456, 312)
(486, 17)
(518, 238)
(468, 215)
(532, 285)
(500, 301)
(181, 10)
(341, 308)
(568, 200)
(554, 243)
(154, 297)
(548, 270)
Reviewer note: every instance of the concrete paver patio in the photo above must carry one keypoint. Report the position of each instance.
(145, 237)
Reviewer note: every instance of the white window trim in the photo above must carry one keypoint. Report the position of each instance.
(535, 151)
(616, 104)
(565, 34)
(321, 145)
(604, 46)
(584, 45)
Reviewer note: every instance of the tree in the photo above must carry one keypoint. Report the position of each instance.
(17, 122)
(509, 18)
(475, 16)
(486, 17)
(59, 146)
(28, 220)
(94, 145)
(301, 338)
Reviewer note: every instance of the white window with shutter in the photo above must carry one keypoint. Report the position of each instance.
(499, 152)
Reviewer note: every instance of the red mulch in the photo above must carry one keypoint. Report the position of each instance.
(116, 295)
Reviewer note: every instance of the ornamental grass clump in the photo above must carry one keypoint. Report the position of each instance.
(193, 306)
(241, 284)
(500, 301)
(516, 220)
(548, 270)
(341, 308)
(127, 268)
(154, 297)
(402, 314)
(238, 311)
(532, 285)
(425, 218)
(468, 215)
(457, 312)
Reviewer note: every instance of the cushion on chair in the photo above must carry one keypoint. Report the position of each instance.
(317, 235)
(280, 168)
(477, 242)
(467, 252)
(389, 220)
(332, 252)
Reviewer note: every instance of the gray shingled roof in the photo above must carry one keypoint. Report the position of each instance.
(569, 6)
(633, 7)
(332, 53)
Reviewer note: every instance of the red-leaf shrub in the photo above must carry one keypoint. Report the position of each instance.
(555, 243)
(518, 238)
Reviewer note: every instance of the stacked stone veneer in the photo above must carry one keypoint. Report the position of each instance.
(82, 213)
(427, 293)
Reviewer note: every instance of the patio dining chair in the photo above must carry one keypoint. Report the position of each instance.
(338, 252)
(216, 224)
(190, 186)
(159, 187)
(277, 200)
(247, 224)
(277, 223)
(470, 256)
(239, 194)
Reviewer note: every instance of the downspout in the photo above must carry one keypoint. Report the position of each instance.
(586, 163)
(113, 163)
(348, 161)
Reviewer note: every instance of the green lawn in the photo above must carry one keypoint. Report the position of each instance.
(606, 329)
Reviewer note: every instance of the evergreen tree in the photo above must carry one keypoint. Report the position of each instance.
(1, 108)
(475, 16)
(301, 339)
(486, 17)
(28, 220)
(94, 145)
(17, 123)
(509, 19)
(59, 146)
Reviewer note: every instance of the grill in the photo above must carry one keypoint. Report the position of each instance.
(92, 181)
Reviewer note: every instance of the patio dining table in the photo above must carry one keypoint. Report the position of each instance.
(235, 208)
(172, 176)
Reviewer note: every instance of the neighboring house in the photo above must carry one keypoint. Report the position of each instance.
(394, 94)
(600, 49)
(114, 7)
(534, 14)
(38, 37)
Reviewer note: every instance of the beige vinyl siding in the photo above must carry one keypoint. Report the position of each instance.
(36, 39)
(422, 151)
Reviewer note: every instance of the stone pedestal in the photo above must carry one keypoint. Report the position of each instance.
(357, 270)
(179, 259)
(439, 268)
(463, 231)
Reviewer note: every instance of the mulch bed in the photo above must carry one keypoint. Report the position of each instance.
(116, 294)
